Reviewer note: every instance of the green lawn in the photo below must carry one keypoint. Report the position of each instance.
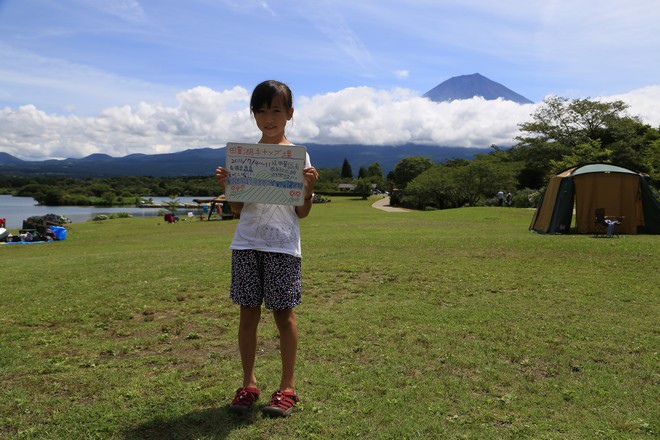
(441, 324)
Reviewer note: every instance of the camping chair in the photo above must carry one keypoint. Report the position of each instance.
(604, 226)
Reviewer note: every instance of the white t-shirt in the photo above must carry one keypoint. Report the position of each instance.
(269, 228)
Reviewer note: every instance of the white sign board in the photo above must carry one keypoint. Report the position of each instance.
(265, 173)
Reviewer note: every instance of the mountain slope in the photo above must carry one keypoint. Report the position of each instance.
(203, 161)
(469, 86)
(8, 159)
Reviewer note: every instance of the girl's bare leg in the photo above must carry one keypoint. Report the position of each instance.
(288, 328)
(247, 342)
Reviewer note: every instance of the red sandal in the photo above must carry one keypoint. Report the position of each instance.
(244, 399)
(281, 404)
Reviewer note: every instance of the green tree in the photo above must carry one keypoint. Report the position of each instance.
(563, 132)
(652, 158)
(37, 191)
(459, 183)
(329, 178)
(407, 169)
(632, 144)
(431, 188)
(98, 188)
(581, 154)
(375, 170)
(478, 180)
(108, 198)
(52, 197)
(363, 188)
(173, 204)
(346, 171)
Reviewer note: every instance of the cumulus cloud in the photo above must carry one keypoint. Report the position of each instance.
(402, 74)
(643, 103)
(364, 115)
(204, 117)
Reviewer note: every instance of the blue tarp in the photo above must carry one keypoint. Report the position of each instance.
(29, 242)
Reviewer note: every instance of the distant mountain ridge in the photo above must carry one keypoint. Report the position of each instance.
(202, 161)
(8, 159)
(469, 86)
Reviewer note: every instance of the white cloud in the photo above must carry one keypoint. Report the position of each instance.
(377, 117)
(129, 10)
(329, 20)
(205, 117)
(266, 7)
(643, 103)
(402, 74)
(28, 77)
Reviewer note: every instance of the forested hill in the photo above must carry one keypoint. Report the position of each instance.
(202, 161)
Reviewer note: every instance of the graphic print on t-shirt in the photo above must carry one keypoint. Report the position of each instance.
(273, 229)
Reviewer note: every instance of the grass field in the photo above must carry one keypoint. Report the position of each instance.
(441, 324)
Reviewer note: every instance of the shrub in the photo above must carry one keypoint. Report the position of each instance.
(526, 198)
(396, 197)
(121, 215)
(492, 201)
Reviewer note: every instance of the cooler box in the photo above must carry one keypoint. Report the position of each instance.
(59, 231)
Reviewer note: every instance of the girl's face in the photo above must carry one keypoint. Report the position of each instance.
(272, 121)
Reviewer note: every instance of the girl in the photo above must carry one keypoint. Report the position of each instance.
(266, 260)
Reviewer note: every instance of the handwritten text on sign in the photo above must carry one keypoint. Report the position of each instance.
(265, 173)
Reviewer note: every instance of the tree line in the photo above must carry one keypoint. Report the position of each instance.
(562, 133)
(120, 190)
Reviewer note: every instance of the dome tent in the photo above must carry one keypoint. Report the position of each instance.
(620, 191)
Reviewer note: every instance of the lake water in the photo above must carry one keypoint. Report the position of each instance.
(16, 209)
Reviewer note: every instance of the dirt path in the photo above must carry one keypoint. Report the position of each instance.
(384, 205)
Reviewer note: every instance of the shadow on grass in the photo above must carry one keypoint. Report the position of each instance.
(208, 423)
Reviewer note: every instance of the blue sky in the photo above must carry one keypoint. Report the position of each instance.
(145, 76)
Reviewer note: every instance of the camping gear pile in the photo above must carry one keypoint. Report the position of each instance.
(49, 227)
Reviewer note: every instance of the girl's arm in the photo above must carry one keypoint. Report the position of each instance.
(311, 177)
(221, 175)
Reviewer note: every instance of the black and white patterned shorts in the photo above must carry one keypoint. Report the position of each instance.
(270, 277)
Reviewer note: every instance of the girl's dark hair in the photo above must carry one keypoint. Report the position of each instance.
(264, 93)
